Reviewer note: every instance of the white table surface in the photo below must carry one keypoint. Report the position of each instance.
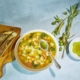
(38, 14)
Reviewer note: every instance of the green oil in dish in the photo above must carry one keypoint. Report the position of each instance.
(76, 48)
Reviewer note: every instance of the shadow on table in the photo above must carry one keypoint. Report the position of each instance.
(52, 72)
(3, 70)
(72, 57)
(22, 70)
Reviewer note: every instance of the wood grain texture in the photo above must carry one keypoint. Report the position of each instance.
(8, 55)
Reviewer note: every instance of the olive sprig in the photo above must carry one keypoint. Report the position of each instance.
(60, 23)
(63, 40)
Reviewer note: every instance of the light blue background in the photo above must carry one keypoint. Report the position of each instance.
(38, 14)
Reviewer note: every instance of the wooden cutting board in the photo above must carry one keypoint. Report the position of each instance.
(8, 55)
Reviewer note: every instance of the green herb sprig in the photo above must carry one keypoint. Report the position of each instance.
(63, 40)
(60, 23)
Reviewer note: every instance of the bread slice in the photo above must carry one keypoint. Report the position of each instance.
(8, 53)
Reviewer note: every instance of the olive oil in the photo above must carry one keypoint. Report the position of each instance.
(43, 44)
(76, 48)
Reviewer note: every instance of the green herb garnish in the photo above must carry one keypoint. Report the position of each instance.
(30, 44)
(39, 55)
(52, 48)
(43, 35)
(31, 35)
(35, 65)
(23, 42)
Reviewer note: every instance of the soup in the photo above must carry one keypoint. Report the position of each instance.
(30, 52)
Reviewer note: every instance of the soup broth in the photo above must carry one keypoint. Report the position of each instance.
(30, 52)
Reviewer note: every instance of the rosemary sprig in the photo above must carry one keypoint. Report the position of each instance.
(63, 40)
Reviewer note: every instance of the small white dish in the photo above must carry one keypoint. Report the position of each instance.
(71, 47)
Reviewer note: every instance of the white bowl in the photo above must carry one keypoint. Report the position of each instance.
(18, 41)
(75, 56)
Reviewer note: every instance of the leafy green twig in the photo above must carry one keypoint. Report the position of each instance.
(58, 28)
(72, 13)
(71, 36)
(63, 51)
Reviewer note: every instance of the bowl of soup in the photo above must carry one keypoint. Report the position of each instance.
(29, 53)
